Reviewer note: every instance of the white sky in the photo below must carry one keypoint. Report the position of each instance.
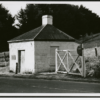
(15, 6)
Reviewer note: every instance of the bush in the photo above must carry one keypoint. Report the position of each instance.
(93, 67)
(97, 72)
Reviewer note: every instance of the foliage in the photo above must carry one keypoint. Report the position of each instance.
(71, 19)
(93, 67)
(7, 30)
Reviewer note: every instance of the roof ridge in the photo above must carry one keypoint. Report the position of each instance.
(39, 32)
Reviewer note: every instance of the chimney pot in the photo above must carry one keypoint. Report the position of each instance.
(47, 19)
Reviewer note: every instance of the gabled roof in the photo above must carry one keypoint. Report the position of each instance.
(92, 41)
(92, 38)
(44, 33)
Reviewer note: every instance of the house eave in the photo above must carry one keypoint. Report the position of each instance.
(24, 40)
(58, 40)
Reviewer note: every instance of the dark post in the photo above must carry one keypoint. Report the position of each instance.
(16, 68)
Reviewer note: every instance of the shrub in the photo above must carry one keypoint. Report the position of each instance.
(93, 67)
(97, 72)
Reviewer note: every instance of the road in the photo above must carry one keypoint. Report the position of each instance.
(19, 85)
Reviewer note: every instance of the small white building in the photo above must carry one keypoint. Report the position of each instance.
(34, 51)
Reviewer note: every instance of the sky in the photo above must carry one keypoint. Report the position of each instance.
(15, 6)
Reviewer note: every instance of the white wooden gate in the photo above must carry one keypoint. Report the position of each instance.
(68, 68)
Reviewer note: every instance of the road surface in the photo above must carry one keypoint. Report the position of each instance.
(19, 85)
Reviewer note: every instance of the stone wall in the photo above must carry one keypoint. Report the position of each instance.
(43, 57)
(89, 48)
(98, 51)
(37, 54)
(91, 52)
(29, 56)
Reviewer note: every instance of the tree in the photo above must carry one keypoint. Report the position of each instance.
(71, 19)
(29, 18)
(7, 29)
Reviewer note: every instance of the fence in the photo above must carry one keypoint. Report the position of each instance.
(4, 59)
(68, 61)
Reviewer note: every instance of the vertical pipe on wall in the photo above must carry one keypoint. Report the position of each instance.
(56, 61)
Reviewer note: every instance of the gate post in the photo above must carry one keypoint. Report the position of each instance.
(67, 62)
(56, 61)
(83, 64)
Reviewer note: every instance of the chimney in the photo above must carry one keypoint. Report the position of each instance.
(47, 19)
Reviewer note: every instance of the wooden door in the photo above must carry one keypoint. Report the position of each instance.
(52, 55)
(21, 60)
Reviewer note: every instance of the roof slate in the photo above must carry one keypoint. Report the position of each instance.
(42, 33)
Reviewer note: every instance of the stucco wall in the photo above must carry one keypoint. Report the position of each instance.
(29, 55)
(42, 53)
(90, 52)
(98, 51)
(37, 54)
(89, 48)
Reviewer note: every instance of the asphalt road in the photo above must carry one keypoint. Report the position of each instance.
(19, 85)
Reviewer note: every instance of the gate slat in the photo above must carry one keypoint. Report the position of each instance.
(62, 60)
(62, 63)
(75, 63)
